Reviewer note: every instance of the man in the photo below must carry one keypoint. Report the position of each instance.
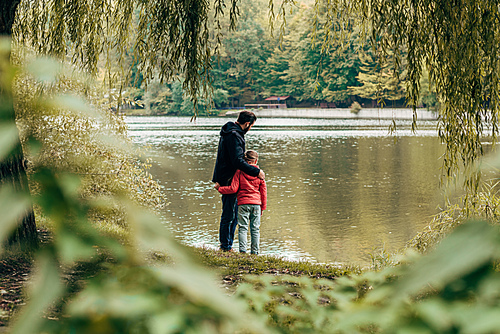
(230, 158)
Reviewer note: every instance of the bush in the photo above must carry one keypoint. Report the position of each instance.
(72, 136)
(484, 205)
(355, 108)
(454, 289)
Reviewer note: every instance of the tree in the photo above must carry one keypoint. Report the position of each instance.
(157, 97)
(243, 54)
(379, 82)
(302, 67)
(171, 37)
(428, 97)
(13, 167)
(282, 73)
(177, 98)
(331, 68)
(458, 43)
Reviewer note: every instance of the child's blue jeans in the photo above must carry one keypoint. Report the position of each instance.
(249, 215)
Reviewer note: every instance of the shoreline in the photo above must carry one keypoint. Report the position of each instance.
(344, 113)
(334, 113)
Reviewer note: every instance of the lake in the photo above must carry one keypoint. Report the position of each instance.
(338, 190)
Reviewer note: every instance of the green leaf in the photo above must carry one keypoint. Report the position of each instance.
(469, 247)
(479, 319)
(435, 313)
(111, 300)
(194, 283)
(72, 247)
(45, 69)
(9, 138)
(73, 103)
(13, 207)
(153, 235)
(70, 184)
(167, 322)
(45, 289)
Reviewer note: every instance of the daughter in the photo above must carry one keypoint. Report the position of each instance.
(252, 200)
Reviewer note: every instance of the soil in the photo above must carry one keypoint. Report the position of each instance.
(14, 274)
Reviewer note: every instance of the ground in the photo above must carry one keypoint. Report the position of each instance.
(14, 273)
(231, 267)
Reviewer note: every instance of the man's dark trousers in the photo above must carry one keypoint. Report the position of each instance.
(228, 221)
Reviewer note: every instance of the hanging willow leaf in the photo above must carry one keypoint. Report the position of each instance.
(167, 37)
(458, 42)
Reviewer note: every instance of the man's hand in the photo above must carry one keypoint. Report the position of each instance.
(216, 185)
(262, 175)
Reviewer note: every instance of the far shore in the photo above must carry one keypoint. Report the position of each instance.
(344, 113)
(332, 113)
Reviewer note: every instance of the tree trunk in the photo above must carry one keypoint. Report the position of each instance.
(7, 15)
(13, 172)
(12, 169)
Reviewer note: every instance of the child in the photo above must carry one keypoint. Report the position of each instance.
(252, 200)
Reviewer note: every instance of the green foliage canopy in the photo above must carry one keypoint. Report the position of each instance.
(167, 37)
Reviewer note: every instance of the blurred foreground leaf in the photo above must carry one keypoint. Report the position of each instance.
(9, 139)
(45, 69)
(44, 290)
(74, 104)
(13, 207)
(468, 248)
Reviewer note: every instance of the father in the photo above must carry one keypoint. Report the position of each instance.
(230, 157)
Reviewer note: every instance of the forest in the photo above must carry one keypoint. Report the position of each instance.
(258, 60)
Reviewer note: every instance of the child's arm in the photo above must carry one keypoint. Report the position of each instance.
(233, 188)
(263, 195)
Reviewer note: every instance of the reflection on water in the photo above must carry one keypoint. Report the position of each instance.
(337, 189)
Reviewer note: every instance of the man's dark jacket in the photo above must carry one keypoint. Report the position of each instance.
(230, 155)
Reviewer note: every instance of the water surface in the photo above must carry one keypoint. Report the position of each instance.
(337, 189)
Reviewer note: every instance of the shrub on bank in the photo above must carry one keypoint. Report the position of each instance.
(355, 108)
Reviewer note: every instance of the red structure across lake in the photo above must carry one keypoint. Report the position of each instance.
(273, 102)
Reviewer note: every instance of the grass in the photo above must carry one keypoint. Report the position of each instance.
(234, 266)
(231, 268)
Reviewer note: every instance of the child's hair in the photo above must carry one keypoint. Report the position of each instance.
(250, 156)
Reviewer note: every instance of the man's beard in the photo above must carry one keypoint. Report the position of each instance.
(245, 130)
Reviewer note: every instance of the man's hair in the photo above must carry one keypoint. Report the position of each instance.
(246, 116)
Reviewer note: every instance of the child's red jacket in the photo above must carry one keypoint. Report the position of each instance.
(248, 189)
